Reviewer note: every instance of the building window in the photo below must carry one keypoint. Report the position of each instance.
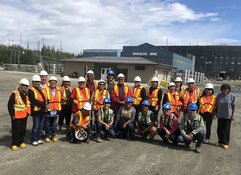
(140, 67)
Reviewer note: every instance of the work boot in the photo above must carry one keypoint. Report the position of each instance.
(23, 145)
(198, 149)
(225, 146)
(47, 139)
(54, 139)
(14, 147)
(188, 145)
(98, 140)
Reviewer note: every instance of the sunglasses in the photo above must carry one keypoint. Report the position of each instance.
(24, 85)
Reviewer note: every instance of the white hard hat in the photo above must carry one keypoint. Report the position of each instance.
(81, 79)
(178, 79)
(81, 135)
(66, 78)
(209, 86)
(101, 81)
(90, 72)
(52, 78)
(137, 78)
(43, 72)
(36, 78)
(171, 84)
(190, 80)
(154, 79)
(87, 106)
(24, 81)
(120, 75)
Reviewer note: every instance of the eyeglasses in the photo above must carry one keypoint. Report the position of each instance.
(24, 85)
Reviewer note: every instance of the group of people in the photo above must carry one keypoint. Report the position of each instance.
(113, 109)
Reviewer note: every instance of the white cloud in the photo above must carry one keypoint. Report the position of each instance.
(102, 24)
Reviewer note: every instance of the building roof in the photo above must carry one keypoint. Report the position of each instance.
(112, 60)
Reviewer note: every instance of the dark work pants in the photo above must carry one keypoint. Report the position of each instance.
(223, 130)
(65, 114)
(208, 120)
(18, 131)
(172, 137)
(152, 108)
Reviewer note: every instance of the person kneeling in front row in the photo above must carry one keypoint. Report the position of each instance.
(192, 127)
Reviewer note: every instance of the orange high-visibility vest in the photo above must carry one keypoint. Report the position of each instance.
(63, 93)
(55, 102)
(82, 96)
(116, 90)
(21, 109)
(38, 97)
(207, 104)
(98, 98)
(153, 98)
(136, 96)
(185, 97)
(174, 101)
(82, 120)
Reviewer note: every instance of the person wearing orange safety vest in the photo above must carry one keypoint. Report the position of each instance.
(44, 79)
(80, 95)
(154, 95)
(38, 107)
(119, 93)
(190, 95)
(19, 110)
(172, 97)
(65, 113)
(138, 94)
(206, 108)
(54, 98)
(80, 125)
(178, 83)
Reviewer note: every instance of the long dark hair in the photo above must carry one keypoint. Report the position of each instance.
(203, 93)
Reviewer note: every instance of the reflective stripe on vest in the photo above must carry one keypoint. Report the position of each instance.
(82, 119)
(110, 115)
(173, 101)
(82, 96)
(136, 95)
(207, 104)
(185, 97)
(98, 98)
(38, 97)
(63, 93)
(116, 90)
(21, 109)
(55, 102)
(153, 98)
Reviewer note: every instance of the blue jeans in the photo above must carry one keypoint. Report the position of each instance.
(199, 137)
(50, 127)
(101, 130)
(37, 127)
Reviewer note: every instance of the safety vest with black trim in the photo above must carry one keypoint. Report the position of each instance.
(153, 97)
(144, 119)
(110, 115)
(82, 96)
(136, 95)
(98, 98)
(21, 109)
(55, 102)
(38, 97)
(63, 93)
(82, 120)
(173, 100)
(116, 90)
(167, 121)
(190, 125)
(185, 97)
(206, 104)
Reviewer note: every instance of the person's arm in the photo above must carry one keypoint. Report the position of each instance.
(233, 105)
(143, 94)
(175, 125)
(34, 101)
(164, 101)
(114, 97)
(159, 97)
(200, 128)
(182, 128)
(11, 103)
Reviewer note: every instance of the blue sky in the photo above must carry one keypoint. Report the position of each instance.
(100, 24)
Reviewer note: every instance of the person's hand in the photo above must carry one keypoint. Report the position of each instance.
(122, 102)
(232, 118)
(187, 137)
(190, 136)
(166, 136)
(124, 126)
(13, 117)
(107, 127)
(168, 132)
(156, 108)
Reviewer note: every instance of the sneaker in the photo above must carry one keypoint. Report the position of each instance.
(47, 139)
(98, 140)
(23, 145)
(206, 141)
(14, 147)
(35, 143)
(198, 149)
(225, 146)
(40, 141)
(54, 139)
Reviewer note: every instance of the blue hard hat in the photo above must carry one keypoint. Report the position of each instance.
(106, 100)
(167, 106)
(192, 107)
(110, 72)
(146, 103)
(129, 100)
